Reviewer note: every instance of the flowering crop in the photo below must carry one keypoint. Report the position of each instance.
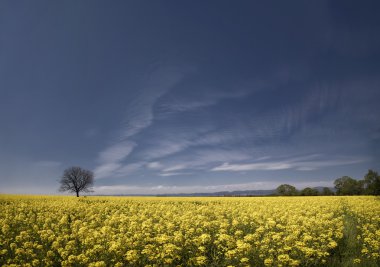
(126, 231)
(367, 214)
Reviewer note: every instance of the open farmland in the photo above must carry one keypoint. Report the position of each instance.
(142, 231)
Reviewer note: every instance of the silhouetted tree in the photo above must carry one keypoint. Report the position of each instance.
(286, 190)
(76, 179)
(372, 183)
(327, 191)
(309, 192)
(348, 186)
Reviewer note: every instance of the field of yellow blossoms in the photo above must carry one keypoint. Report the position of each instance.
(154, 231)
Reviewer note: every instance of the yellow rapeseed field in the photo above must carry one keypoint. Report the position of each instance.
(142, 231)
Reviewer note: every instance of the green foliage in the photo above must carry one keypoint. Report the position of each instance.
(372, 183)
(286, 190)
(348, 186)
(327, 192)
(309, 192)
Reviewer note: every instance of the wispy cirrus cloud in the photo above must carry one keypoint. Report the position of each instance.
(154, 165)
(127, 169)
(265, 125)
(104, 170)
(253, 166)
(139, 115)
(202, 141)
(202, 159)
(166, 174)
(201, 97)
(301, 164)
(116, 152)
(164, 148)
(199, 160)
(110, 159)
(192, 133)
(175, 168)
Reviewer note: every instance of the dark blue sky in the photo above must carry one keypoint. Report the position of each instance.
(188, 96)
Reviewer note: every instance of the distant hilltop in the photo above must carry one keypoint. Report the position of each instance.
(225, 193)
(239, 193)
(210, 194)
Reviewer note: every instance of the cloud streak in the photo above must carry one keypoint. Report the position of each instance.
(116, 152)
(175, 168)
(166, 174)
(139, 116)
(297, 164)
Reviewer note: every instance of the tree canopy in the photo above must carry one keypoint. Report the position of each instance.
(286, 190)
(309, 192)
(327, 191)
(347, 186)
(344, 186)
(372, 183)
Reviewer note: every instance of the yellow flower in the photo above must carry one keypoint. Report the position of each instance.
(244, 260)
(332, 244)
(276, 231)
(201, 260)
(132, 256)
(268, 262)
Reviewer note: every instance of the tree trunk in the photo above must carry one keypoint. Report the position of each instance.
(77, 194)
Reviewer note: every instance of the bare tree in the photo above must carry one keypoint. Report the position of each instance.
(76, 179)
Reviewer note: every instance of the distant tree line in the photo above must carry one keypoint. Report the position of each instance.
(344, 186)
